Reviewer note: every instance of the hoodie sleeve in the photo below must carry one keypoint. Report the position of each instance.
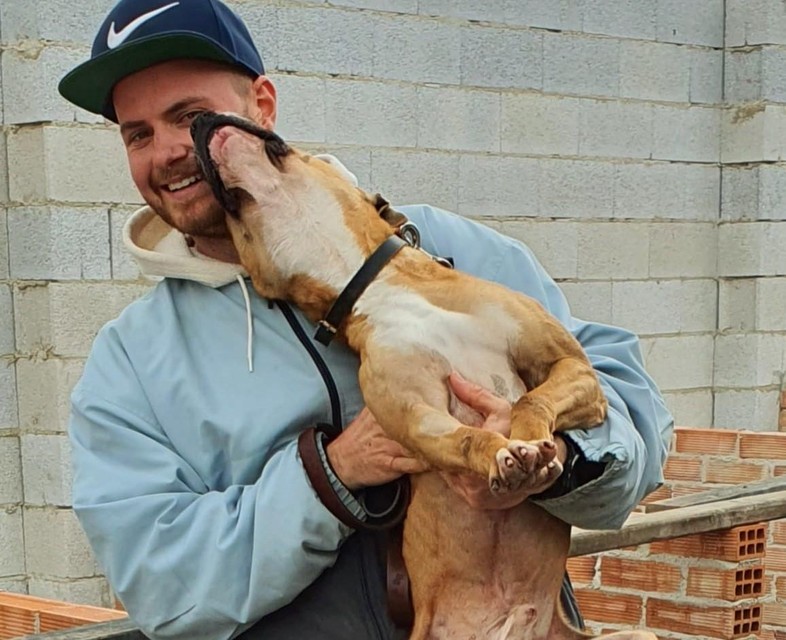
(634, 439)
(189, 561)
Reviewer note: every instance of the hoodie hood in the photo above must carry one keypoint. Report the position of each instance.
(161, 251)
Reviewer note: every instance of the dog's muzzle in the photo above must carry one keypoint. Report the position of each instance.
(204, 127)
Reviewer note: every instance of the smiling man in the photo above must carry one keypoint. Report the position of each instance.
(187, 475)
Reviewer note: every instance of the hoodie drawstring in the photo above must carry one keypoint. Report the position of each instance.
(250, 323)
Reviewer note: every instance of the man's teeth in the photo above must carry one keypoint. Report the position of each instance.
(175, 186)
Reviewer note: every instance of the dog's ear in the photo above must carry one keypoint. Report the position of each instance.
(387, 213)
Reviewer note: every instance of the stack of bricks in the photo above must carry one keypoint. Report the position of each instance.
(721, 585)
(22, 615)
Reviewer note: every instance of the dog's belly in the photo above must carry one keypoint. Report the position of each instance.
(476, 345)
(487, 575)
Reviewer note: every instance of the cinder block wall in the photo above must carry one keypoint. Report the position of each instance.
(634, 144)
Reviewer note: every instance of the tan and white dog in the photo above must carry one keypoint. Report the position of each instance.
(302, 231)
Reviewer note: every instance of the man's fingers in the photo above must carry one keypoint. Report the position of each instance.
(478, 398)
(409, 465)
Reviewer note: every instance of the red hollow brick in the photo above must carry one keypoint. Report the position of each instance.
(734, 472)
(614, 608)
(582, 569)
(733, 584)
(713, 622)
(706, 441)
(770, 446)
(639, 575)
(680, 467)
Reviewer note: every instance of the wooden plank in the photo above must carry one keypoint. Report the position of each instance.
(719, 493)
(675, 523)
(115, 630)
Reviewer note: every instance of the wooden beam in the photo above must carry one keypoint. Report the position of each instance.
(674, 523)
(719, 493)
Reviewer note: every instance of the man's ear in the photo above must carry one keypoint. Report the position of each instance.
(387, 213)
(264, 95)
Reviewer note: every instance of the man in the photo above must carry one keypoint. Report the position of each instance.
(188, 480)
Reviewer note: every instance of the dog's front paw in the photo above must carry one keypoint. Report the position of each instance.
(524, 465)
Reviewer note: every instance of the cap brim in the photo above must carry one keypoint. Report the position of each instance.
(90, 85)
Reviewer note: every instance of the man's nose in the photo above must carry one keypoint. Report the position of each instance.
(171, 145)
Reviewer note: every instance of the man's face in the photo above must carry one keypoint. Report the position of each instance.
(155, 108)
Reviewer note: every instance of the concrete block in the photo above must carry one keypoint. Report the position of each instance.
(314, 39)
(558, 15)
(43, 166)
(689, 134)
(706, 76)
(554, 243)
(741, 187)
(370, 113)
(417, 50)
(124, 267)
(400, 6)
(753, 133)
(48, 243)
(498, 186)
(62, 319)
(10, 470)
(589, 300)
(46, 461)
(262, 20)
(770, 304)
(624, 18)
(700, 22)
(613, 251)
(301, 108)
(533, 123)
(616, 129)
(654, 71)
(7, 340)
(14, 585)
(576, 189)
(29, 78)
(690, 408)
(45, 394)
(503, 58)
(581, 65)
(752, 249)
(3, 160)
(772, 192)
(4, 267)
(12, 549)
(90, 591)
(489, 11)
(743, 75)
(416, 176)
(71, 557)
(668, 306)
(753, 409)
(679, 363)
(737, 304)
(54, 21)
(748, 361)
(683, 250)
(667, 191)
(750, 22)
(458, 119)
(9, 416)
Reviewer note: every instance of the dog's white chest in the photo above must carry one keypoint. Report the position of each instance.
(476, 345)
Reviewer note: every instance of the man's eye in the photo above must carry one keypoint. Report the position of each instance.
(136, 137)
(190, 115)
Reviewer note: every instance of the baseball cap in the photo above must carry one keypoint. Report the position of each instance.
(141, 33)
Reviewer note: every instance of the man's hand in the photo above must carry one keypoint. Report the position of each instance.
(363, 456)
(496, 413)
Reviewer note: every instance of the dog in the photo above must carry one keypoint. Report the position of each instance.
(302, 231)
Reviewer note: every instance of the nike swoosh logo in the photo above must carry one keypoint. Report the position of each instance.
(115, 38)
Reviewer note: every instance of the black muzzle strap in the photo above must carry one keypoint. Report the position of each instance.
(328, 327)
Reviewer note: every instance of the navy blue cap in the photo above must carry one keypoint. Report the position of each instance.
(141, 33)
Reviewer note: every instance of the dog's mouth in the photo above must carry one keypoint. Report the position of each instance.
(204, 127)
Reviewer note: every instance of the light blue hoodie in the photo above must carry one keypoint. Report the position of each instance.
(186, 474)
